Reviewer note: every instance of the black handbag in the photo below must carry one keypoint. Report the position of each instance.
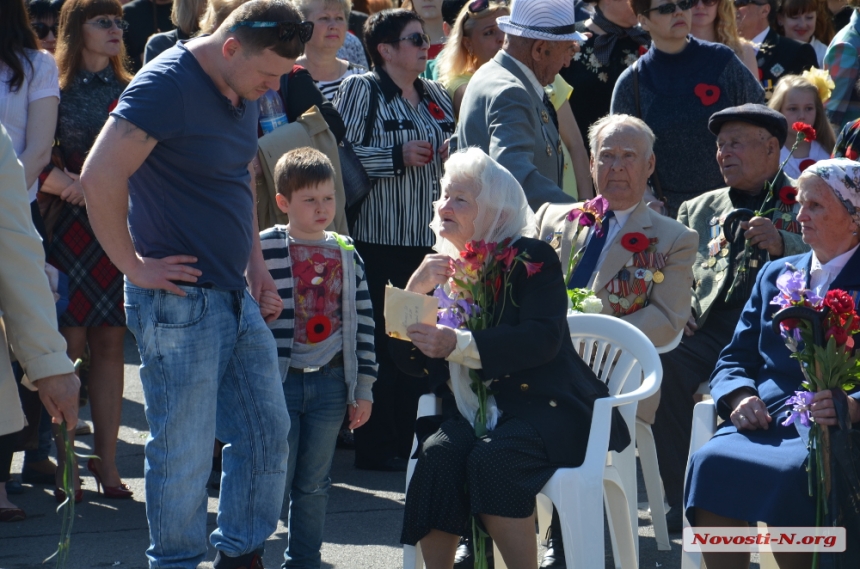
(356, 183)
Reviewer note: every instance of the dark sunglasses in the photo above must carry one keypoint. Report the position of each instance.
(670, 7)
(479, 6)
(286, 30)
(418, 39)
(107, 23)
(742, 3)
(42, 30)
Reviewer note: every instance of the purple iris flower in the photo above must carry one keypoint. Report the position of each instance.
(591, 213)
(802, 401)
(792, 284)
(453, 313)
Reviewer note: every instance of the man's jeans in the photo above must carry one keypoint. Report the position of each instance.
(317, 402)
(209, 369)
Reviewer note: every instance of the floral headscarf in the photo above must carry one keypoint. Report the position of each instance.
(843, 177)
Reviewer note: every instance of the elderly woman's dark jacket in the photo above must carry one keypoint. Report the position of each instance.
(537, 376)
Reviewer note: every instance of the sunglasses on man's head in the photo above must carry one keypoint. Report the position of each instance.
(742, 3)
(670, 7)
(42, 30)
(286, 30)
(418, 39)
(107, 23)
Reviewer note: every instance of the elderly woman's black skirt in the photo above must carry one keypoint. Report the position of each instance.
(457, 474)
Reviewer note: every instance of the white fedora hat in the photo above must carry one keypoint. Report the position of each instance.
(552, 20)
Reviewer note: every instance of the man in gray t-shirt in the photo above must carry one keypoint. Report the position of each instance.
(169, 197)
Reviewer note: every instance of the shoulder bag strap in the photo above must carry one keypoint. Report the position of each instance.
(370, 122)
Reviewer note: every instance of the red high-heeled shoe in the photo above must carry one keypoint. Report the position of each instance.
(114, 492)
(60, 496)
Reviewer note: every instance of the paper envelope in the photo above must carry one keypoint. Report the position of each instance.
(404, 308)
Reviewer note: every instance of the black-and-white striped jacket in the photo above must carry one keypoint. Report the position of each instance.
(399, 208)
(359, 355)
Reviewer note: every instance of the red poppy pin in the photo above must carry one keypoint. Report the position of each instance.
(318, 328)
(851, 154)
(436, 111)
(635, 242)
(788, 195)
(112, 105)
(806, 164)
(708, 94)
(642, 50)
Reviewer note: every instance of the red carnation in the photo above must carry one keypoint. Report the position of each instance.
(788, 195)
(436, 111)
(808, 131)
(805, 164)
(839, 302)
(838, 333)
(635, 242)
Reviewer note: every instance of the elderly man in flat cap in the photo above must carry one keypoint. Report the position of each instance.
(505, 110)
(749, 138)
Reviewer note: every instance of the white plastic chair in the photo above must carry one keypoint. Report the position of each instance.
(619, 355)
(651, 469)
(704, 427)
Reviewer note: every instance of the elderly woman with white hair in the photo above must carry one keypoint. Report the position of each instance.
(754, 468)
(542, 389)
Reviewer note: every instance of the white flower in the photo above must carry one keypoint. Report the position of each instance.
(630, 59)
(577, 56)
(592, 305)
(603, 77)
(592, 61)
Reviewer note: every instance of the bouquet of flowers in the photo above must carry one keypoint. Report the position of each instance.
(590, 214)
(819, 332)
(479, 290)
(475, 299)
(786, 195)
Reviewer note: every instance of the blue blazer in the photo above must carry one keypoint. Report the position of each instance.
(757, 357)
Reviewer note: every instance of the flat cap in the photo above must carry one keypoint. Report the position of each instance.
(758, 115)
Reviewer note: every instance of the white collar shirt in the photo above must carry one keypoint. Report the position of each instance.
(616, 224)
(822, 276)
(531, 77)
(759, 39)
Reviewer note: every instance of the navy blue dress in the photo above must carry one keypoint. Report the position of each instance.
(759, 476)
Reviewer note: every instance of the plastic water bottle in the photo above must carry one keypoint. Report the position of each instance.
(272, 113)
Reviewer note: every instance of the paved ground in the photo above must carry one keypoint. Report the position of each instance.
(362, 526)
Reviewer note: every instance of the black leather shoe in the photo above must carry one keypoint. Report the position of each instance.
(249, 561)
(675, 520)
(554, 556)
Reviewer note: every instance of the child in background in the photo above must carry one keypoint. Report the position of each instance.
(799, 99)
(324, 337)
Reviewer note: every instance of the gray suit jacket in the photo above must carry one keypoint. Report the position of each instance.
(503, 115)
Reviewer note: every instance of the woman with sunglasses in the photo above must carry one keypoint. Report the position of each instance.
(29, 95)
(716, 21)
(402, 149)
(615, 43)
(678, 84)
(91, 60)
(44, 15)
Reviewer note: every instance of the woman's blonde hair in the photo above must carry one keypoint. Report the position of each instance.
(726, 27)
(823, 130)
(216, 12)
(454, 59)
(305, 6)
(186, 15)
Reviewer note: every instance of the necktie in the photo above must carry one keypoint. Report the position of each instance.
(550, 110)
(583, 271)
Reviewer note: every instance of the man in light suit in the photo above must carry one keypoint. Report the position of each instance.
(642, 268)
(28, 318)
(505, 110)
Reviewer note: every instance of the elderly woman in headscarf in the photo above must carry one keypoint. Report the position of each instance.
(541, 409)
(753, 469)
